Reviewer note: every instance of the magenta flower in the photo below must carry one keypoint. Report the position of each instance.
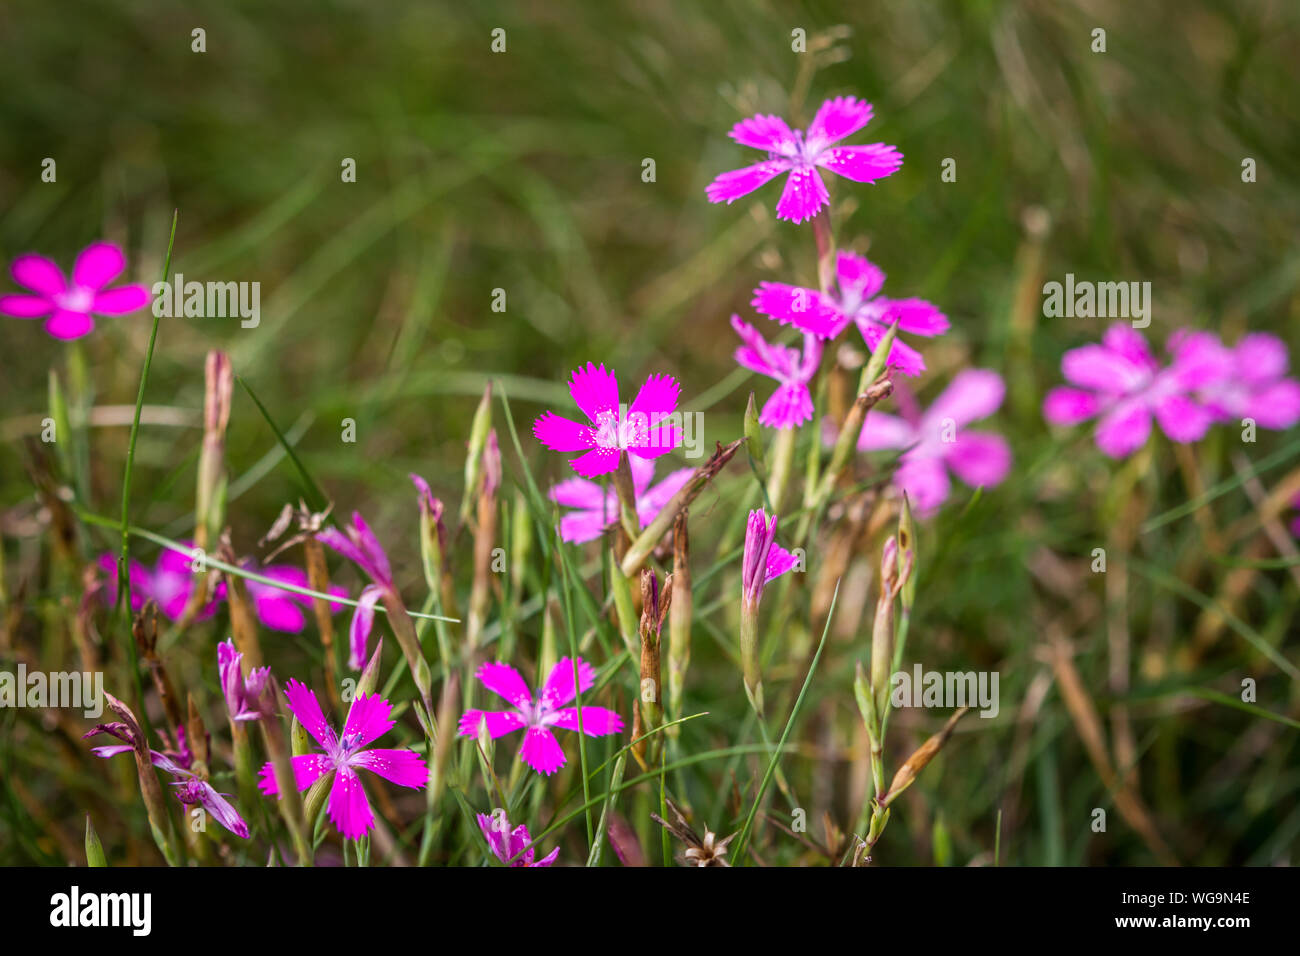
(1123, 385)
(938, 441)
(368, 720)
(540, 749)
(854, 299)
(247, 698)
(598, 508)
(191, 789)
(801, 154)
(282, 610)
(763, 559)
(509, 845)
(1255, 385)
(169, 584)
(71, 305)
(791, 404)
(639, 430)
(359, 545)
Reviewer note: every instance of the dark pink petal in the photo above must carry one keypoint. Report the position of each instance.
(305, 706)
(558, 689)
(978, 458)
(1260, 358)
(837, 118)
(756, 355)
(369, 718)
(541, 751)
(803, 196)
(349, 810)
(925, 480)
(98, 265)
(643, 472)
(657, 398)
(122, 300)
(660, 441)
(548, 859)
(882, 430)
(496, 839)
(1200, 360)
(1124, 429)
(973, 394)
(376, 563)
(598, 461)
(405, 768)
(798, 306)
(562, 434)
(1182, 419)
(596, 721)
(912, 315)
(1103, 370)
(307, 769)
(731, 185)
(25, 306)
(779, 561)
(38, 274)
(498, 722)
(577, 493)
(579, 527)
(278, 611)
(1128, 344)
(363, 621)
(651, 503)
(594, 390)
(769, 133)
(1275, 406)
(1069, 406)
(857, 276)
(504, 681)
(69, 325)
(903, 357)
(111, 750)
(862, 164)
(789, 407)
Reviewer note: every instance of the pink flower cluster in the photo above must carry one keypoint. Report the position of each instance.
(1124, 386)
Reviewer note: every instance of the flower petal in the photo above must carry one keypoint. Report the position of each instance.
(657, 399)
(596, 721)
(594, 390)
(504, 681)
(38, 274)
(1069, 406)
(369, 718)
(779, 561)
(925, 480)
(795, 305)
(405, 768)
(558, 689)
(25, 306)
(598, 461)
(862, 164)
(803, 196)
(579, 527)
(837, 118)
(541, 751)
(789, 407)
(857, 276)
(1275, 406)
(1124, 429)
(499, 723)
(307, 769)
(349, 810)
(98, 265)
(731, 185)
(1182, 419)
(973, 394)
(305, 706)
(769, 133)
(122, 300)
(69, 325)
(562, 434)
(363, 621)
(916, 316)
(979, 458)
(577, 493)
(882, 430)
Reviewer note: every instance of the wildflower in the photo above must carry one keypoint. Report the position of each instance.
(700, 851)
(1254, 385)
(938, 441)
(763, 561)
(368, 720)
(638, 430)
(800, 154)
(359, 545)
(191, 790)
(540, 750)
(791, 404)
(854, 298)
(170, 583)
(509, 845)
(247, 698)
(70, 305)
(282, 610)
(597, 507)
(1122, 385)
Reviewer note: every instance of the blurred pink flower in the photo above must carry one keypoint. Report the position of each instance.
(854, 299)
(282, 610)
(801, 154)
(938, 441)
(1255, 384)
(540, 749)
(169, 584)
(1121, 383)
(597, 508)
(509, 845)
(70, 305)
(791, 404)
(369, 718)
(638, 430)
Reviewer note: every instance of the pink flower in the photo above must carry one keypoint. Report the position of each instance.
(639, 430)
(763, 559)
(192, 790)
(1122, 383)
(169, 584)
(791, 404)
(1255, 385)
(359, 545)
(800, 154)
(938, 441)
(247, 698)
(540, 749)
(368, 720)
(597, 507)
(854, 299)
(282, 610)
(70, 305)
(508, 845)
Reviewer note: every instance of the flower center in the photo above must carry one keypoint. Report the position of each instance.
(76, 299)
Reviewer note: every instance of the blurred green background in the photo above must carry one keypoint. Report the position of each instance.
(522, 171)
